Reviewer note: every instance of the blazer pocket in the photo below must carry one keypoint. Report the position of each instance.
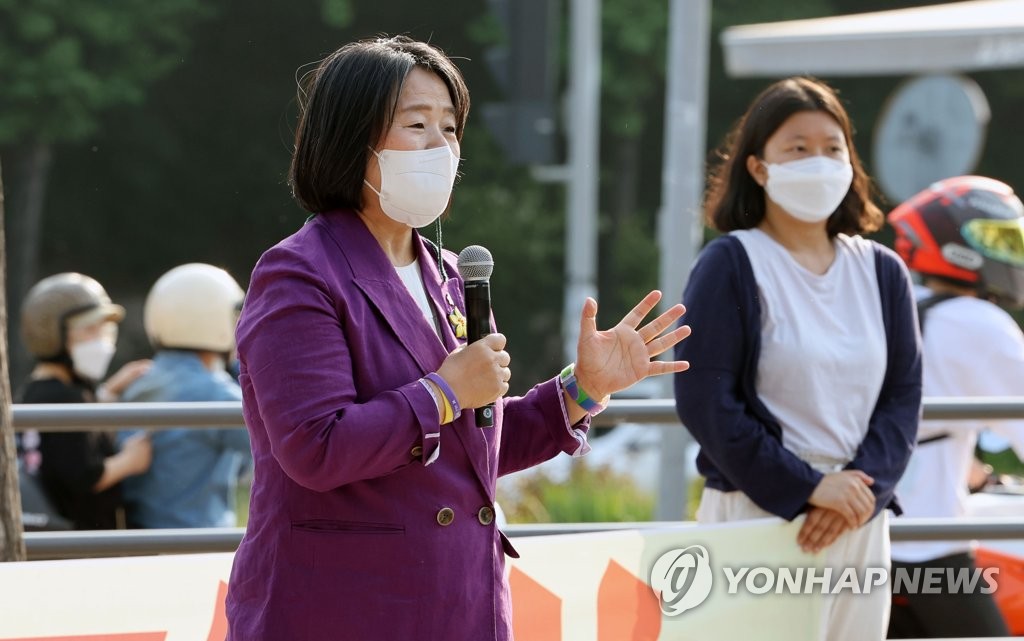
(358, 548)
(330, 526)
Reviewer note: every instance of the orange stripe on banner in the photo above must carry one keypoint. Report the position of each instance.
(1009, 594)
(219, 627)
(131, 636)
(536, 611)
(627, 609)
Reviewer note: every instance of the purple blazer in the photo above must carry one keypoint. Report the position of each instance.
(369, 520)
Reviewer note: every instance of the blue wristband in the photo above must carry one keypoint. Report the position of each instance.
(446, 389)
(576, 393)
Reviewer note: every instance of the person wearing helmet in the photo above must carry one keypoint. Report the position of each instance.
(964, 238)
(69, 325)
(190, 316)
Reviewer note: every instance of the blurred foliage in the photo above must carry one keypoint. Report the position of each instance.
(589, 495)
(693, 497)
(1003, 462)
(63, 63)
(522, 226)
(172, 123)
(242, 503)
(632, 38)
(176, 121)
(199, 174)
(337, 13)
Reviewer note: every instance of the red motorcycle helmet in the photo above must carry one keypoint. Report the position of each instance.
(968, 230)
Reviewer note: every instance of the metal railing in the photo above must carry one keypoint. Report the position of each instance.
(94, 416)
(65, 545)
(157, 416)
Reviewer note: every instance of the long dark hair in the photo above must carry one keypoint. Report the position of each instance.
(346, 106)
(736, 201)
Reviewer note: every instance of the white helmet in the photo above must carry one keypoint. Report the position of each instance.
(193, 306)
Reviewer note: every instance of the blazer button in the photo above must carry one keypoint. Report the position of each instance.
(485, 515)
(445, 516)
(416, 452)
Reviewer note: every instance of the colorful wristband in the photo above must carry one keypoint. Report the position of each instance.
(449, 394)
(576, 393)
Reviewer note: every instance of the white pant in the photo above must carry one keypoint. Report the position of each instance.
(846, 616)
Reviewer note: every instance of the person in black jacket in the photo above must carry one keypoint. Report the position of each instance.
(70, 325)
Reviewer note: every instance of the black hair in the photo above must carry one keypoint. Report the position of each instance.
(346, 106)
(736, 201)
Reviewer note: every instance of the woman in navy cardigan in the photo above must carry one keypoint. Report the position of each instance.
(810, 405)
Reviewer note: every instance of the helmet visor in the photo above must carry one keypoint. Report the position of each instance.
(1000, 240)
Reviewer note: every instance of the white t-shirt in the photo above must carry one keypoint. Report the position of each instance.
(413, 280)
(823, 345)
(971, 348)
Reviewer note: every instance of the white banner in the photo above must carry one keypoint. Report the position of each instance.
(151, 598)
(585, 587)
(597, 587)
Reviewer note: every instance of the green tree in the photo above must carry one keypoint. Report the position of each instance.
(633, 37)
(63, 64)
(199, 174)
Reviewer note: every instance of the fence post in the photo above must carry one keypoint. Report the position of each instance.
(12, 543)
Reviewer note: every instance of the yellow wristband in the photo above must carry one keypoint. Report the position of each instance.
(447, 415)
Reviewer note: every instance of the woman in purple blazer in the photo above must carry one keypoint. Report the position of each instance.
(372, 510)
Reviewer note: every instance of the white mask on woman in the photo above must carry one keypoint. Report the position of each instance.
(415, 186)
(91, 358)
(809, 189)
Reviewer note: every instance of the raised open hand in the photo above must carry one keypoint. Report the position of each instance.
(611, 360)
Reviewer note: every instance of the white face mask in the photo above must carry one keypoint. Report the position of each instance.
(415, 186)
(809, 189)
(92, 358)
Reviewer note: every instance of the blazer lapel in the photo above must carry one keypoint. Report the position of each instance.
(375, 276)
(447, 298)
(445, 295)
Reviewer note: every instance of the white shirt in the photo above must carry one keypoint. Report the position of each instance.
(823, 345)
(971, 348)
(413, 280)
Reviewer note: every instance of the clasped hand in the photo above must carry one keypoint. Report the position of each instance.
(842, 501)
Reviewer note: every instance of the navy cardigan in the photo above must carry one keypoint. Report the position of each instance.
(740, 440)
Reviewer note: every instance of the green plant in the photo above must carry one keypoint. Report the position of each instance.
(1005, 462)
(696, 489)
(590, 494)
(242, 503)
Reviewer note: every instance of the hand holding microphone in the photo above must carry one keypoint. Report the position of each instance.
(478, 373)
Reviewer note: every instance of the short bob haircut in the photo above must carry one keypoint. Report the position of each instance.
(735, 200)
(347, 105)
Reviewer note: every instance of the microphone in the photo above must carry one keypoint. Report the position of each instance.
(475, 267)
